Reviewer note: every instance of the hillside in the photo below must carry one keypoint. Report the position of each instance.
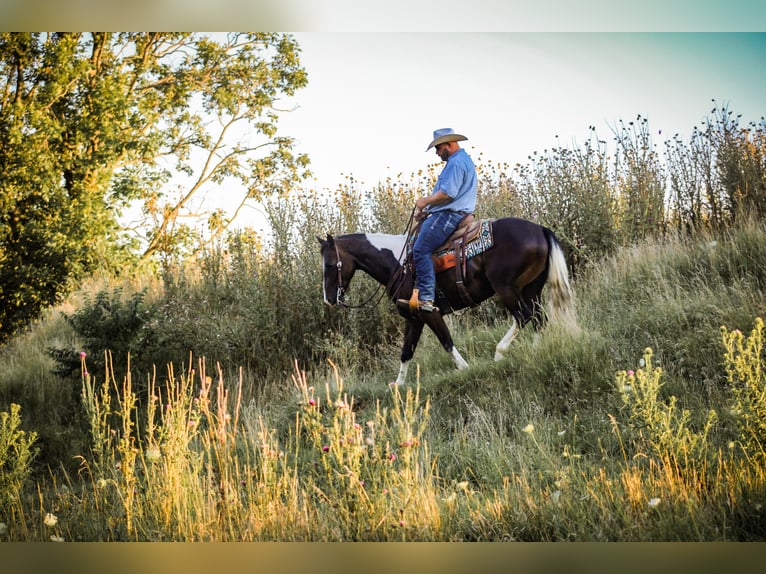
(645, 423)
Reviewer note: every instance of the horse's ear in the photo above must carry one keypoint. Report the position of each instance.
(328, 241)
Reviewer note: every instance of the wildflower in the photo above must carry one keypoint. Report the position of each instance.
(631, 373)
(392, 456)
(312, 402)
(529, 429)
(561, 433)
(50, 520)
(55, 538)
(325, 448)
(101, 483)
(731, 444)
(85, 374)
(83, 354)
(401, 523)
(463, 485)
(654, 502)
(3, 529)
(153, 455)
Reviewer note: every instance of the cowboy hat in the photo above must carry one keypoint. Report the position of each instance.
(445, 135)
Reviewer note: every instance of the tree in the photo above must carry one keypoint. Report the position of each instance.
(92, 124)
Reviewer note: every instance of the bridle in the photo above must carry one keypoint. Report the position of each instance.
(340, 294)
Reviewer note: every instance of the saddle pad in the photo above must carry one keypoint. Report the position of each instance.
(447, 258)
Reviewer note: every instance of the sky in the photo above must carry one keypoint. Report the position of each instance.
(374, 99)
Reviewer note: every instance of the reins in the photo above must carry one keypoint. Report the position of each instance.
(397, 274)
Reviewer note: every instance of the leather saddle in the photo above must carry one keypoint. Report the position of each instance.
(453, 254)
(466, 230)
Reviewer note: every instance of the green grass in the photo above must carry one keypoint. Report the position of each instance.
(647, 423)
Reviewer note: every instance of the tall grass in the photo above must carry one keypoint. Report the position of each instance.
(197, 464)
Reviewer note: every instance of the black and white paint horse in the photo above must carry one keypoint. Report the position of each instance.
(524, 257)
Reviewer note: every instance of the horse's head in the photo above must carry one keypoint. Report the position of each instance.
(338, 269)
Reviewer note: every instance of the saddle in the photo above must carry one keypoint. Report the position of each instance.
(453, 254)
(470, 237)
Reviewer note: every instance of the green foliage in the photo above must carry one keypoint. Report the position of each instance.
(570, 191)
(744, 361)
(719, 175)
(86, 122)
(657, 428)
(16, 455)
(111, 323)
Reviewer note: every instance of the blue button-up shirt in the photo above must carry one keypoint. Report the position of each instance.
(458, 180)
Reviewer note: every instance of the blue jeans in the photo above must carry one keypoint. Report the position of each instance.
(433, 233)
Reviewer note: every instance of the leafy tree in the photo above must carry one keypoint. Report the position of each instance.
(92, 124)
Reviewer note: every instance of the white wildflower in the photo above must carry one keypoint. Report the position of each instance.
(529, 429)
(50, 520)
(153, 454)
(654, 502)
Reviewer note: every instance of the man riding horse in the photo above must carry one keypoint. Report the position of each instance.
(453, 198)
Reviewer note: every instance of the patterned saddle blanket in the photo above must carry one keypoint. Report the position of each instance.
(476, 239)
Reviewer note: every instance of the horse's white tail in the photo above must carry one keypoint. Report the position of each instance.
(561, 298)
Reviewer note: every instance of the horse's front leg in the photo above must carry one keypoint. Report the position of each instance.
(412, 332)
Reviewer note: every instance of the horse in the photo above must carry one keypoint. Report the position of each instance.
(523, 257)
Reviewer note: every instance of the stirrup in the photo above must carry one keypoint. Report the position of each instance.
(414, 305)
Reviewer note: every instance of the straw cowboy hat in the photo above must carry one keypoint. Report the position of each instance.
(445, 135)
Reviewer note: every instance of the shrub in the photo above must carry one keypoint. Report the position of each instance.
(16, 456)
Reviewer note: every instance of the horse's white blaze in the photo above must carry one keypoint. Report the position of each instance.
(394, 243)
(324, 285)
(505, 342)
(459, 360)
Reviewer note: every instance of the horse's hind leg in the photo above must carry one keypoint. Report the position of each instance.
(439, 327)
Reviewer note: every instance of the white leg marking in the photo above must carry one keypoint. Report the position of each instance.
(505, 342)
(459, 361)
(402, 374)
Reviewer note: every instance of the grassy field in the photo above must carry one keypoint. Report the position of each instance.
(646, 422)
